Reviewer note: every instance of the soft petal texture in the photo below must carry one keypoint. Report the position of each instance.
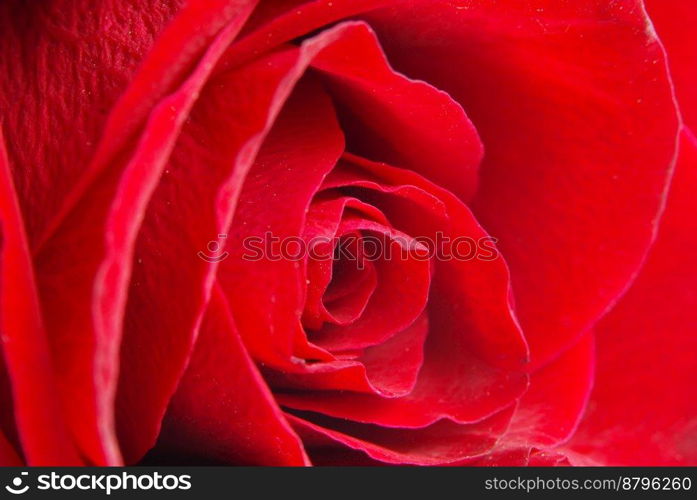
(266, 294)
(222, 410)
(186, 38)
(474, 352)
(338, 290)
(530, 457)
(324, 286)
(8, 421)
(38, 410)
(8, 455)
(372, 371)
(390, 118)
(84, 263)
(139, 165)
(212, 167)
(643, 409)
(386, 115)
(480, 288)
(575, 110)
(513, 457)
(441, 443)
(675, 22)
(400, 297)
(275, 23)
(337, 60)
(550, 411)
(63, 68)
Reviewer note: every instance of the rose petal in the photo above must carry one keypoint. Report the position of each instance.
(388, 117)
(266, 294)
(373, 370)
(479, 288)
(275, 23)
(140, 405)
(400, 297)
(528, 457)
(348, 293)
(549, 412)
(548, 459)
(344, 302)
(8, 455)
(198, 196)
(320, 235)
(441, 443)
(551, 409)
(45, 438)
(474, 352)
(222, 410)
(84, 263)
(63, 68)
(452, 384)
(184, 40)
(8, 421)
(397, 361)
(674, 21)
(574, 106)
(643, 409)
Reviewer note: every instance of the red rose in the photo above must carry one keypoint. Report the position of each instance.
(218, 220)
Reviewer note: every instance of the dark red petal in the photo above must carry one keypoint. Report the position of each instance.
(8, 455)
(506, 457)
(452, 384)
(541, 458)
(8, 420)
(527, 456)
(141, 396)
(253, 321)
(388, 117)
(83, 268)
(643, 409)
(274, 23)
(328, 207)
(396, 362)
(441, 443)
(400, 297)
(372, 371)
(338, 302)
(551, 409)
(472, 330)
(574, 106)
(187, 38)
(63, 67)
(45, 438)
(675, 22)
(319, 275)
(472, 293)
(193, 206)
(320, 235)
(349, 292)
(266, 294)
(222, 410)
